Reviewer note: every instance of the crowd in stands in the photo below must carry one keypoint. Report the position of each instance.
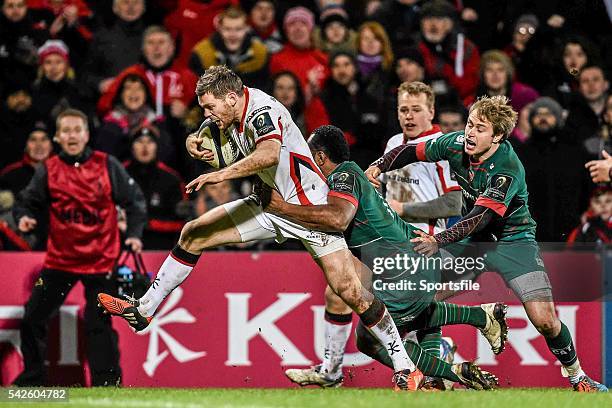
(132, 67)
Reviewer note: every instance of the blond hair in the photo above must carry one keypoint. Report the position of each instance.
(219, 80)
(493, 56)
(415, 89)
(497, 111)
(381, 35)
(232, 12)
(70, 112)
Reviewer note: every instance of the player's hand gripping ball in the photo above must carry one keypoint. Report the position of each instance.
(211, 145)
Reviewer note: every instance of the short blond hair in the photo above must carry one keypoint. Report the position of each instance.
(497, 111)
(232, 12)
(219, 80)
(416, 88)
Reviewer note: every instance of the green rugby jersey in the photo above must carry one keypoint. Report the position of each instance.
(376, 234)
(374, 219)
(497, 183)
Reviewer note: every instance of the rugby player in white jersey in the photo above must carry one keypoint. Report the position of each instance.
(424, 194)
(275, 150)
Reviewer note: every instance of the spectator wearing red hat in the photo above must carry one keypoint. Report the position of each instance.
(299, 55)
(55, 90)
(172, 87)
(192, 21)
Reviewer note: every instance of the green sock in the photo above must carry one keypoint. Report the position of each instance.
(562, 347)
(430, 365)
(444, 314)
(430, 339)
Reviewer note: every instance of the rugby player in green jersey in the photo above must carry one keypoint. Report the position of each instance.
(492, 180)
(374, 231)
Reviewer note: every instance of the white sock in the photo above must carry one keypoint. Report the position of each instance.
(386, 333)
(171, 274)
(574, 372)
(336, 336)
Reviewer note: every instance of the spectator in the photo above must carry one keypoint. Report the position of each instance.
(16, 117)
(234, 46)
(374, 55)
(409, 65)
(298, 55)
(262, 18)
(116, 47)
(20, 36)
(80, 189)
(496, 78)
(600, 170)
(162, 187)
(602, 140)
(172, 87)
(354, 109)
(133, 109)
(451, 60)
(451, 118)
(287, 90)
(10, 238)
(16, 176)
(597, 226)
(400, 18)
(55, 91)
(524, 29)
(587, 106)
(190, 22)
(335, 33)
(553, 163)
(69, 24)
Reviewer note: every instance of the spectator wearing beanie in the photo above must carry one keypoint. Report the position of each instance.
(554, 172)
(335, 33)
(262, 19)
(524, 29)
(298, 54)
(55, 90)
(451, 60)
(162, 187)
(401, 19)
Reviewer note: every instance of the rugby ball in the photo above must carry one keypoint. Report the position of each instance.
(220, 143)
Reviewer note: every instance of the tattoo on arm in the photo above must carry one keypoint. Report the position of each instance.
(473, 222)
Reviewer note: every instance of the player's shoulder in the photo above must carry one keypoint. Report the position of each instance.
(345, 171)
(453, 138)
(507, 162)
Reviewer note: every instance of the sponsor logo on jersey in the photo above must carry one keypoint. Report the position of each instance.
(343, 183)
(256, 111)
(263, 124)
(498, 189)
(460, 139)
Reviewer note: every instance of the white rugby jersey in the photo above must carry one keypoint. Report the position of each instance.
(421, 181)
(296, 176)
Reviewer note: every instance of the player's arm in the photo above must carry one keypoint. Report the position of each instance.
(473, 222)
(32, 200)
(335, 216)
(444, 206)
(266, 155)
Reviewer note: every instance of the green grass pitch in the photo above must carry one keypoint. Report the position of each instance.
(341, 398)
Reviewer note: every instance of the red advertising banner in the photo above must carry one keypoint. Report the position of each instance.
(241, 319)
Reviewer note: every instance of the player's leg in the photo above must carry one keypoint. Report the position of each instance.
(338, 323)
(48, 294)
(465, 373)
(231, 223)
(343, 280)
(542, 314)
(430, 341)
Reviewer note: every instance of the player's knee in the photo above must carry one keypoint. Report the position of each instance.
(547, 324)
(348, 292)
(194, 234)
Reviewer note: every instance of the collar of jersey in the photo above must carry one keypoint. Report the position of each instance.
(434, 129)
(244, 110)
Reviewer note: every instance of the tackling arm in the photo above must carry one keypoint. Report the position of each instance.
(335, 216)
(397, 158)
